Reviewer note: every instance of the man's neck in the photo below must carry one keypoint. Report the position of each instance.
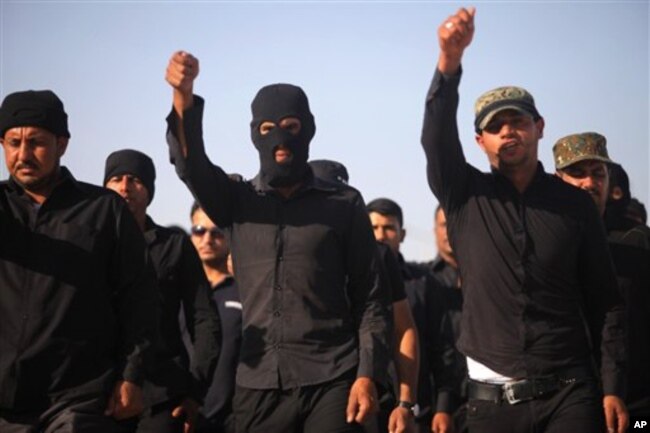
(38, 197)
(287, 191)
(449, 259)
(216, 274)
(520, 176)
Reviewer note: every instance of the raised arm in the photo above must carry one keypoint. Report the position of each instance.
(208, 183)
(182, 70)
(446, 166)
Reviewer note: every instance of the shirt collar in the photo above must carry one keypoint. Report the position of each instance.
(150, 230)
(540, 175)
(224, 283)
(438, 263)
(309, 182)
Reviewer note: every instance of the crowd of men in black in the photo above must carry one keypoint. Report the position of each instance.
(290, 308)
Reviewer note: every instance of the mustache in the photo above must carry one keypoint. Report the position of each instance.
(26, 164)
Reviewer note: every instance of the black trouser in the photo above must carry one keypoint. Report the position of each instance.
(575, 408)
(223, 423)
(312, 409)
(79, 415)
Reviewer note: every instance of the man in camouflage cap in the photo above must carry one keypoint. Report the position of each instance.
(535, 289)
(493, 102)
(582, 160)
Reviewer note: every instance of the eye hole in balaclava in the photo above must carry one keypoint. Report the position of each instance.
(274, 103)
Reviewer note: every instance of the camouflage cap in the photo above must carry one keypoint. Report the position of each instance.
(580, 147)
(502, 98)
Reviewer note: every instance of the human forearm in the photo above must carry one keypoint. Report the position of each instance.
(208, 183)
(407, 351)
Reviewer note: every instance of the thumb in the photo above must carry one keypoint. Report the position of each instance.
(609, 420)
(472, 11)
(177, 412)
(351, 410)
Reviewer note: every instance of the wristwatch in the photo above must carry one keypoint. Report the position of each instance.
(412, 407)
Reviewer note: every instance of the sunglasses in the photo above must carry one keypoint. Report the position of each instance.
(199, 231)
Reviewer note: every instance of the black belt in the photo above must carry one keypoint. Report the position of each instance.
(518, 391)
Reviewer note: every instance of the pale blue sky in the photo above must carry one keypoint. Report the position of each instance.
(365, 66)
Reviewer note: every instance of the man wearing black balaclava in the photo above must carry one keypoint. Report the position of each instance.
(316, 323)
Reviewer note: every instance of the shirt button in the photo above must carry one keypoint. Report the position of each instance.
(280, 258)
(276, 314)
(277, 287)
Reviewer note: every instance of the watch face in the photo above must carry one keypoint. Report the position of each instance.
(416, 409)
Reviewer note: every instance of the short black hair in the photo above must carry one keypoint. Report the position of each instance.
(386, 206)
(195, 206)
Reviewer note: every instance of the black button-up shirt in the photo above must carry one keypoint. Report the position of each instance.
(306, 267)
(218, 401)
(77, 307)
(393, 273)
(630, 249)
(533, 265)
(438, 373)
(181, 283)
(450, 297)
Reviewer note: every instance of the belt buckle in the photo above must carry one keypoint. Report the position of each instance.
(510, 392)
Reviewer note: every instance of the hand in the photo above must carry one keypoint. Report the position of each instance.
(442, 423)
(616, 416)
(362, 401)
(400, 420)
(126, 401)
(189, 409)
(454, 35)
(182, 70)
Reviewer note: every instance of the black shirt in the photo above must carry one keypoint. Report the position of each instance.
(77, 304)
(218, 401)
(181, 282)
(450, 297)
(437, 372)
(630, 249)
(306, 267)
(393, 273)
(532, 264)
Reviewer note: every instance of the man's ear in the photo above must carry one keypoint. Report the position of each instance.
(403, 235)
(616, 193)
(540, 127)
(479, 141)
(61, 145)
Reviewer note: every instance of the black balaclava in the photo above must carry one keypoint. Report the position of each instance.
(274, 103)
